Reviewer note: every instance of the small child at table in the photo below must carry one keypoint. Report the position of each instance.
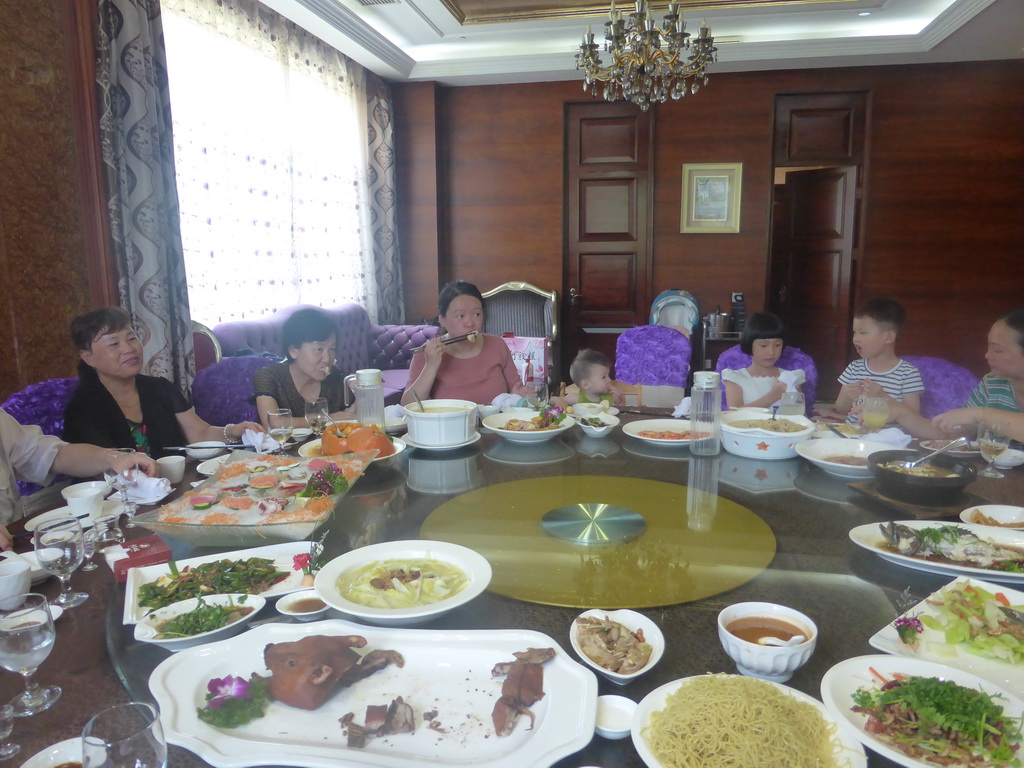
(591, 382)
(879, 372)
(762, 383)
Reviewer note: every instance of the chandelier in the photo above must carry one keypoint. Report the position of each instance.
(648, 64)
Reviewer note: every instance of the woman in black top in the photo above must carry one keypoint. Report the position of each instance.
(116, 406)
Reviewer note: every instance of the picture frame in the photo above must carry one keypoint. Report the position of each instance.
(711, 198)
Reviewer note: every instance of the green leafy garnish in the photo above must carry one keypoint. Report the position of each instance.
(233, 701)
(326, 481)
(203, 618)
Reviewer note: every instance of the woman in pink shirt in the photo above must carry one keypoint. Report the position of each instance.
(476, 369)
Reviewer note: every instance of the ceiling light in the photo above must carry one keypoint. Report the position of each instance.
(648, 64)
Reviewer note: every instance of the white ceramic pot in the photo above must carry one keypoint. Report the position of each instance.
(443, 423)
(762, 443)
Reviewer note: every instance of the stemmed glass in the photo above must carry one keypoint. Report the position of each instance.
(125, 736)
(121, 484)
(875, 412)
(280, 422)
(26, 639)
(89, 549)
(317, 415)
(60, 547)
(992, 442)
(7, 749)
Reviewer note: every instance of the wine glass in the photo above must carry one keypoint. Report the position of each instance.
(26, 639)
(280, 421)
(121, 484)
(993, 442)
(125, 736)
(875, 413)
(7, 749)
(89, 549)
(317, 415)
(60, 547)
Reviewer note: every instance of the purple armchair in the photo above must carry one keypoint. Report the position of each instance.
(222, 392)
(792, 358)
(946, 385)
(652, 355)
(41, 404)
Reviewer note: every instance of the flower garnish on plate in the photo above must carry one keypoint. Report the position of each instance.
(908, 628)
(325, 481)
(550, 415)
(233, 701)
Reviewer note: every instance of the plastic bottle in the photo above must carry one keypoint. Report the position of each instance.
(705, 414)
(369, 391)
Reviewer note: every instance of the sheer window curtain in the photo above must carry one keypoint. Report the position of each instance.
(271, 155)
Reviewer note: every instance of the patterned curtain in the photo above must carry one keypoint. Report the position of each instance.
(138, 153)
(387, 266)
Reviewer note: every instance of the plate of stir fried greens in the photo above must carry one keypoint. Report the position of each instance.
(268, 571)
(198, 620)
(922, 714)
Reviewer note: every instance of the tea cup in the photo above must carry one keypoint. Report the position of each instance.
(15, 576)
(85, 499)
(776, 663)
(172, 468)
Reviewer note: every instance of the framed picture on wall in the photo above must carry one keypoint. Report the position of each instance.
(711, 197)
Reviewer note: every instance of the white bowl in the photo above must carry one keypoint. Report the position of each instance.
(204, 450)
(774, 663)
(1006, 515)
(302, 433)
(436, 429)
(37, 573)
(614, 716)
(589, 409)
(487, 410)
(395, 426)
(818, 451)
(1010, 458)
(473, 564)
(632, 621)
(147, 628)
(288, 605)
(761, 443)
(610, 422)
(86, 498)
(497, 422)
(67, 751)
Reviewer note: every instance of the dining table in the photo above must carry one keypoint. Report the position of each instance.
(690, 536)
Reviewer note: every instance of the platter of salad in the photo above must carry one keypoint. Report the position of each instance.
(908, 710)
(963, 625)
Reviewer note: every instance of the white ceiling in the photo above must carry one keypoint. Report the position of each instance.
(409, 40)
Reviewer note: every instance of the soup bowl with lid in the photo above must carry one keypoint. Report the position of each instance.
(441, 423)
(744, 627)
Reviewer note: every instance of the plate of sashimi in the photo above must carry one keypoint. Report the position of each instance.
(259, 498)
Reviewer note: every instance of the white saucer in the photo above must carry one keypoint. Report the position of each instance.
(69, 750)
(300, 434)
(413, 444)
(152, 499)
(53, 514)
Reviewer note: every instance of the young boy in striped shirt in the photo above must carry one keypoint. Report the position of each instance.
(879, 372)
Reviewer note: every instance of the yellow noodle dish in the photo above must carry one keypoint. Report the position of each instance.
(776, 425)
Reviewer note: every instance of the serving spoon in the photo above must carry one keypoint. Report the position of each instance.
(779, 643)
(960, 441)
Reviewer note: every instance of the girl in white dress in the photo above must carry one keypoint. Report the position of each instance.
(759, 384)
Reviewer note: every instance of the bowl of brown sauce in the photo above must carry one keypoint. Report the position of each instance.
(745, 629)
(939, 481)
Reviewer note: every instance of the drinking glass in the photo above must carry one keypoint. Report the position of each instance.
(992, 442)
(125, 736)
(317, 415)
(280, 421)
(89, 549)
(875, 413)
(121, 484)
(26, 639)
(791, 404)
(60, 547)
(7, 749)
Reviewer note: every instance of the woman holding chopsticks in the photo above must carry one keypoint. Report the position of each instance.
(464, 363)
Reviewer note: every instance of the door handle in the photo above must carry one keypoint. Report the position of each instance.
(574, 296)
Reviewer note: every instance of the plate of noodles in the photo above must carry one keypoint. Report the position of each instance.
(733, 716)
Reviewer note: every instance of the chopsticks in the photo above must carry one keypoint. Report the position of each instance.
(452, 340)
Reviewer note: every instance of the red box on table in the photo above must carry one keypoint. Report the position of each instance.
(149, 550)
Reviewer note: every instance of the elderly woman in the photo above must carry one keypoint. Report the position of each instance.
(115, 406)
(310, 343)
(475, 369)
(998, 398)
(27, 454)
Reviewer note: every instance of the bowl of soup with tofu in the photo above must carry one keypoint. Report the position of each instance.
(441, 423)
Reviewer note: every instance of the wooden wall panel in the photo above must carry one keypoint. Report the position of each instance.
(43, 276)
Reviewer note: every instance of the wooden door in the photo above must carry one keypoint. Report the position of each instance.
(813, 243)
(608, 220)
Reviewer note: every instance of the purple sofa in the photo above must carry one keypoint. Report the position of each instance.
(361, 344)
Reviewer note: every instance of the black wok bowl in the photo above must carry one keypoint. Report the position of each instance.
(919, 489)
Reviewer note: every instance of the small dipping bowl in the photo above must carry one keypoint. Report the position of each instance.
(204, 450)
(304, 605)
(632, 621)
(774, 663)
(614, 716)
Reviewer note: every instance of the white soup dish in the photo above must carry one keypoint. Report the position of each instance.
(441, 423)
(768, 662)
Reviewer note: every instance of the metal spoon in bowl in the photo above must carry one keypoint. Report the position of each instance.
(777, 643)
(960, 441)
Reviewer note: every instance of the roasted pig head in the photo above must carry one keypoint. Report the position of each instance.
(304, 673)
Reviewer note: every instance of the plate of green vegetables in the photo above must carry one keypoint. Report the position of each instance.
(198, 620)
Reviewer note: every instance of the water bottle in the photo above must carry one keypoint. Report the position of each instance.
(705, 414)
(369, 391)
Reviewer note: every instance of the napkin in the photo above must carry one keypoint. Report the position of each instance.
(260, 442)
(145, 488)
(683, 409)
(890, 436)
(507, 400)
(394, 412)
(789, 379)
